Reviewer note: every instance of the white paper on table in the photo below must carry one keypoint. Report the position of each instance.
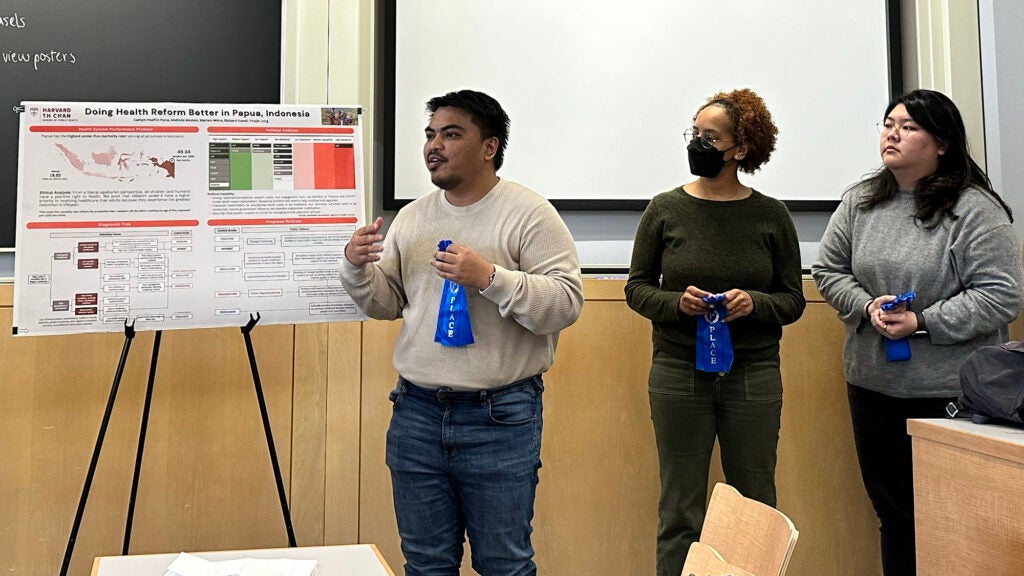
(189, 565)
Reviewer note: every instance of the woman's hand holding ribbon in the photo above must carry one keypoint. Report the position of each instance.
(691, 302)
(895, 323)
(737, 304)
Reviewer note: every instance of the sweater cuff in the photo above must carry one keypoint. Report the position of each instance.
(864, 313)
(355, 275)
(501, 287)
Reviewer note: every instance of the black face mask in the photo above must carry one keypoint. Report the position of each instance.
(705, 159)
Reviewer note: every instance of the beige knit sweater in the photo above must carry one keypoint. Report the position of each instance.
(537, 289)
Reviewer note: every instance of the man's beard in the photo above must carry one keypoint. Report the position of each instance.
(445, 182)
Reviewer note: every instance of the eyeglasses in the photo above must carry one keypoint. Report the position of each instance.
(691, 134)
(905, 130)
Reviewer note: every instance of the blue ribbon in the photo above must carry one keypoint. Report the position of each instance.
(900, 299)
(453, 326)
(714, 346)
(898, 350)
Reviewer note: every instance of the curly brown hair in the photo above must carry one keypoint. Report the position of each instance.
(751, 125)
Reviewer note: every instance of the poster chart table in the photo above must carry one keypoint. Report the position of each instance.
(351, 560)
(968, 497)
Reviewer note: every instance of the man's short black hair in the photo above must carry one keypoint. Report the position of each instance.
(484, 111)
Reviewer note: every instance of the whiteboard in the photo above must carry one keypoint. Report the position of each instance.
(599, 92)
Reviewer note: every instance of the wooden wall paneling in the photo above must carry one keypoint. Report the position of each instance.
(376, 510)
(596, 510)
(343, 433)
(206, 478)
(207, 481)
(307, 496)
(52, 396)
(818, 477)
(1017, 328)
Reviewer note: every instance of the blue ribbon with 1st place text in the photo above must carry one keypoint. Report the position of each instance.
(714, 346)
(898, 350)
(453, 327)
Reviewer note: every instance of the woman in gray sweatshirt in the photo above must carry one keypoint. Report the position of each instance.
(927, 222)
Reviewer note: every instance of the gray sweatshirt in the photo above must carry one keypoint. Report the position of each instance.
(966, 274)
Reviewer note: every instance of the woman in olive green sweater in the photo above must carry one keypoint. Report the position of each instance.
(716, 236)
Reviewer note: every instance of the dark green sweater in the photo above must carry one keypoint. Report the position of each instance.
(749, 244)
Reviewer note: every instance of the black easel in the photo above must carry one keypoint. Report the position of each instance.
(129, 335)
(266, 426)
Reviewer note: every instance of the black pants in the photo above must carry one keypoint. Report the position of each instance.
(886, 466)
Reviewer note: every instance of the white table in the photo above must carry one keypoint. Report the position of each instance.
(352, 560)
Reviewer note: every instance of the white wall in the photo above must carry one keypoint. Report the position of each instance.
(1002, 71)
(327, 58)
(949, 60)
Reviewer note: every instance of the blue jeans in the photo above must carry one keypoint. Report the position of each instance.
(465, 463)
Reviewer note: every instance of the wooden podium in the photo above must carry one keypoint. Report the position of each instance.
(968, 497)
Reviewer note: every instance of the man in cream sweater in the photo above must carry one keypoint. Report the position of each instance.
(463, 445)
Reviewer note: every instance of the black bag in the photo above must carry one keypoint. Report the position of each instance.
(992, 383)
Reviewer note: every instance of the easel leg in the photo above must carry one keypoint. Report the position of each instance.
(129, 335)
(266, 427)
(142, 442)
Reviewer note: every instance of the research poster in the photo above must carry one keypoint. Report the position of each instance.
(183, 215)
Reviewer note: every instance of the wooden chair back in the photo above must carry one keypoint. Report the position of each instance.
(747, 533)
(703, 560)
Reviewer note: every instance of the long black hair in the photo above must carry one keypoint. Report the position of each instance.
(937, 193)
